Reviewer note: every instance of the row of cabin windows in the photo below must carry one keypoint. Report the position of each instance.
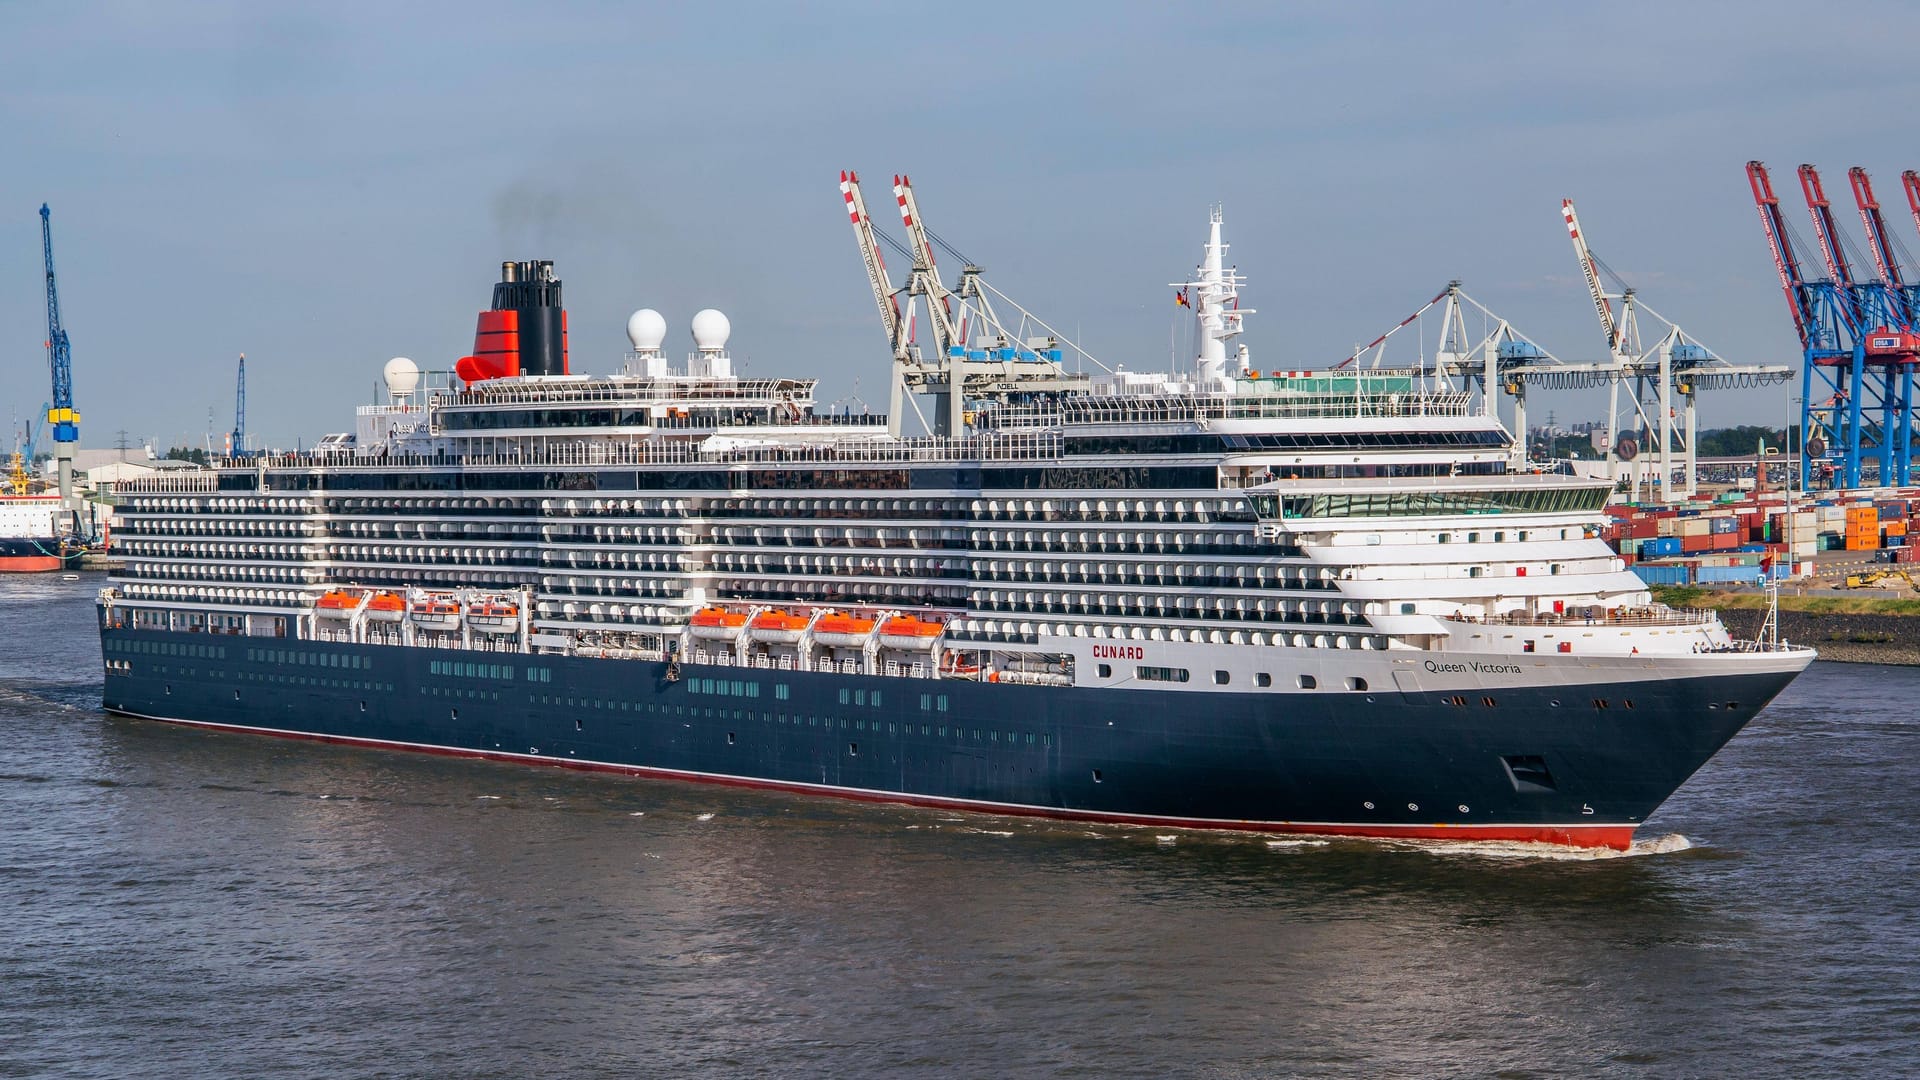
(464, 669)
(309, 657)
(169, 648)
(843, 723)
(1223, 678)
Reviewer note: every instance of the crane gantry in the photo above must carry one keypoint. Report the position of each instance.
(1652, 374)
(1857, 337)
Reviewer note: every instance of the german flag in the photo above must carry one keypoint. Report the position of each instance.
(1180, 299)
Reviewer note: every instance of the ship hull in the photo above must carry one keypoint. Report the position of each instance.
(1409, 765)
(27, 555)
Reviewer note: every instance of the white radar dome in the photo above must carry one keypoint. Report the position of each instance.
(402, 375)
(646, 328)
(710, 330)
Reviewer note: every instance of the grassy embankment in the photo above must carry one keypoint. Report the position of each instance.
(1873, 602)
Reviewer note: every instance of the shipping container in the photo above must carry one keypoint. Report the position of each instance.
(1660, 547)
(1662, 575)
(1728, 575)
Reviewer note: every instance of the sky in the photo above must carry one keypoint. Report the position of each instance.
(325, 186)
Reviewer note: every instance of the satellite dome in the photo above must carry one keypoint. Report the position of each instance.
(402, 375)
(646, 328)
(710, 330)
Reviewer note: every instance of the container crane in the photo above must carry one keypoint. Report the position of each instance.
(958, 372)
(1653, 374)
(60, 413)
(925, 279)
(1856, 394)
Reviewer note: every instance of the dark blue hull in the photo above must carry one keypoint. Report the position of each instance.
(1386, 764)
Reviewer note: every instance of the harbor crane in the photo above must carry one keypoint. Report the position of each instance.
(237, 438)
(1652, 374)
(60, 412)
(1857, 339)
(976, 355)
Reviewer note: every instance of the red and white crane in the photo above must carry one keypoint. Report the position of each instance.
(1879, 241)
(1824, 228)
(1601, 304)
(926, 275)
(883, 293)
(1911, 181)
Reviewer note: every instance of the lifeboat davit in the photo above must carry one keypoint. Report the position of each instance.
(778, 627)
(907, 632)
(436, 613)
(336, 605)
(494, 617)
(716, 623)
(843, 631)
(386, 607)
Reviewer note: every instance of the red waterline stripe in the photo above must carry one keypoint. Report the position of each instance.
(28, 564)
(1617, 837)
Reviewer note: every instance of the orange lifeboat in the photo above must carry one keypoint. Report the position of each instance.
(778, 627)
(386, 607)
(907, 632)
(717, 623)
(494, 617)
(336, 605)
(843, 631)
(436, 613)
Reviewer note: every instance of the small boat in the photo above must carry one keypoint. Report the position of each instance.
(717, 623)
(336, 605)
(386, 607)
(843, 631)
(907, 632)
(778, 627)
(435, 613)
(494, 617)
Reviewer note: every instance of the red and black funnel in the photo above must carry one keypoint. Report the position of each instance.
(526, 331)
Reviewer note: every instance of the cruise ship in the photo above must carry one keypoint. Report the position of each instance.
(1312, 602)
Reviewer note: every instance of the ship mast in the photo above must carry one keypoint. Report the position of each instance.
(1214, 296)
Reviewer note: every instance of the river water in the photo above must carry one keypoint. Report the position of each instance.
(178, 903)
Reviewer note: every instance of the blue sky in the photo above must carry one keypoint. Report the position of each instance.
(326, 186)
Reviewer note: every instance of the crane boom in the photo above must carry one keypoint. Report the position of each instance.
(1824, 228)
(1785, 261)
(238, 440)
(1592, 272)
(66, 422)
(1876, 227)
(883, 295)
(939, 304)
(1911, 181)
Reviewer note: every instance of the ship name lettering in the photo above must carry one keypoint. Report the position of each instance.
(1119, 652)
(1434, 667)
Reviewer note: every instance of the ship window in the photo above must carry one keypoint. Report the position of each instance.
(1221, 678)
(453, 714)
(780, 691)
(845, 694)
(1096, 776)
(729, 738)
(1106, 671)
(859, 697)
(1308, 682)
(1354, 682)
(1263, 679)
(577, 726)
(940, 703)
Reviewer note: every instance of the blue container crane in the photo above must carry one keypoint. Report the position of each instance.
(60, 413)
